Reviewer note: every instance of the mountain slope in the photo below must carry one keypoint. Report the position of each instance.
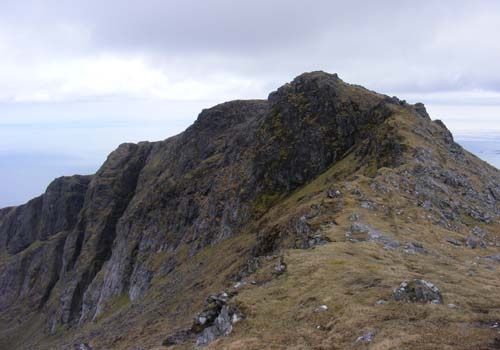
(324, 194)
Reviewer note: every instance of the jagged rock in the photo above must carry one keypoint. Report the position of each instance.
(53, 212)
(222, 327)
(420, 109)
(418, 291)
(82, 346)
(215, 321)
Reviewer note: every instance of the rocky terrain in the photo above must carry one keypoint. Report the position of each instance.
(325, 217)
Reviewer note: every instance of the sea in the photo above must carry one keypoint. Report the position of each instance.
(485, 145)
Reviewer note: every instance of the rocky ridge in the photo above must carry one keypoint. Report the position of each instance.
(319, 165)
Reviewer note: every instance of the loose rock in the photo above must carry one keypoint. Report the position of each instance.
(321, 308)
(366, 338)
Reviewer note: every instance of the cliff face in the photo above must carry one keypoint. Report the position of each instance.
(147, 231)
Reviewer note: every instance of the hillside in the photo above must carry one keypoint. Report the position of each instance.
(331, 216)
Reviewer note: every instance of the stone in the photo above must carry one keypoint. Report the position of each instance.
(366, 338)
(354, 217)
(321, 308)
(368, 205)
(478, 232)
(333, 193)
(453, 241)
(418, 291)
(239, 284)
(414, 248)
(209, 335)
(215, 321)
(280, 266)
(474, 242)
(222, 327)
(381, 302)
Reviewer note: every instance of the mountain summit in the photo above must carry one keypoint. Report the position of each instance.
(325, 217)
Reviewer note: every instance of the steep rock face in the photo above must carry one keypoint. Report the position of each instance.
(152, 207)
(34, 235)
(89, 245)
(194, 190)
(44, 216)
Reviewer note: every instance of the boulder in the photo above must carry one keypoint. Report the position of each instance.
(418, 291)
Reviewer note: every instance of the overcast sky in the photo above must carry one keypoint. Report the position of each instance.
(79, 77)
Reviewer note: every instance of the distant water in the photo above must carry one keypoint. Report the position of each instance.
(486, 146)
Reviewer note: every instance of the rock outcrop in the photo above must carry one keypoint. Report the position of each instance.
(418, 291)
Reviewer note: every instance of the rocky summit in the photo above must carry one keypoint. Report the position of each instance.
(325, 217)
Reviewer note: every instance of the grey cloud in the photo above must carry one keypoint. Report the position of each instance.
(390, 45)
